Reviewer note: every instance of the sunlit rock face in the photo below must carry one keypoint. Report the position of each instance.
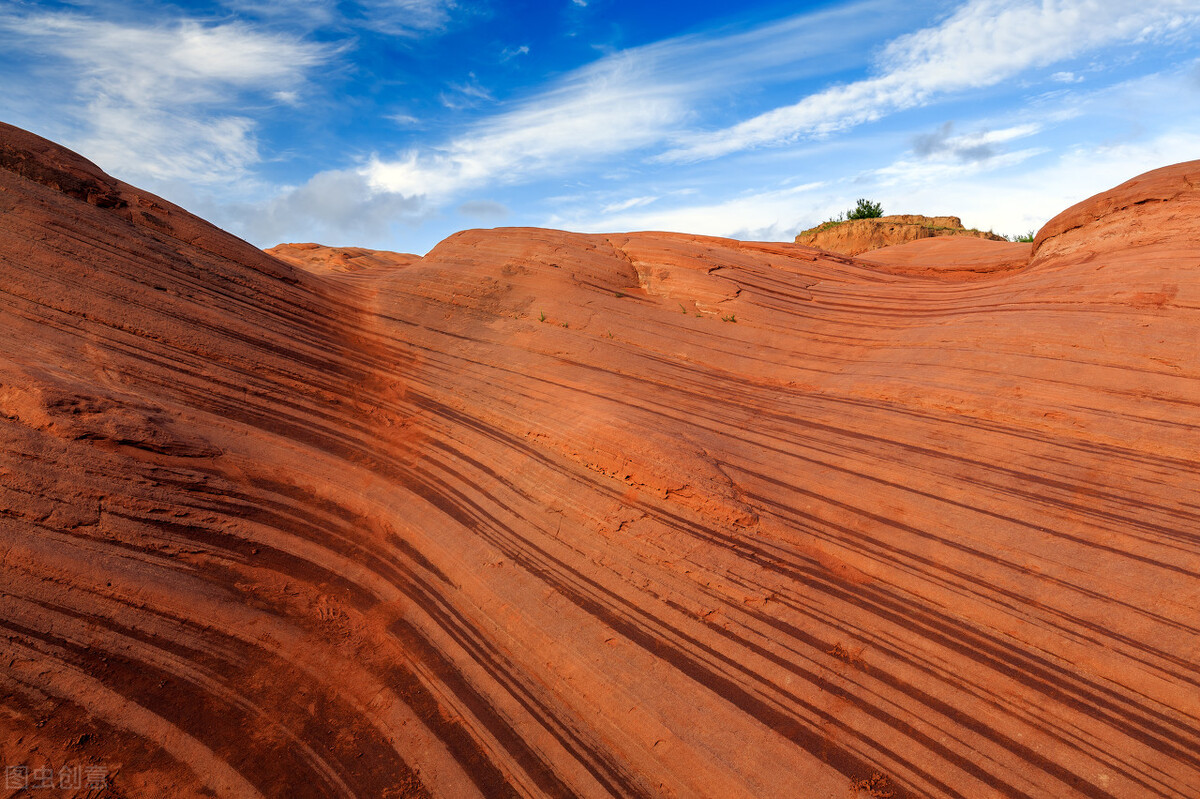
(857, 236)
(548, 514)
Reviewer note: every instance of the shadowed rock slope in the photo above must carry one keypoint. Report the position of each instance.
(373, 528)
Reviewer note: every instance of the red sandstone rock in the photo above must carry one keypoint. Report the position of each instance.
(339, 259)
(960, 257)
(855, 236)
(526, 517)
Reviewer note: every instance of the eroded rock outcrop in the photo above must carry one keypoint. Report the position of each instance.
(855, 236)
(527, 517)
(339, 259)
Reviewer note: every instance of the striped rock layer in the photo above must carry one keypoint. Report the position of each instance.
(547, 514)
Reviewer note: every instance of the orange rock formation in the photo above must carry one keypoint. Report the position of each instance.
(339, 259)
(855, 236)
(526, 517)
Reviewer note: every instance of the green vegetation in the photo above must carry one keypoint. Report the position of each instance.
(828, 224)
(1030, 236)
(730, 318)
(865, 210)
(542, 316)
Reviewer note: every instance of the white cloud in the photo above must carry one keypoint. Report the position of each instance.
(647, 96)
(1066, 77)
(626, 101)
(761, 215)
(467, 94)
(155, 101)
(981, 145)
(186, 61)
(407, 18)
(402, 17)
(165, 145)
(981, 44)
(989, 196)
(1009, 191)
(600, 111)
(306, 13)
(333, 207)
(625, 205)
(1025, 199)
(1051, 176)
(909, 174)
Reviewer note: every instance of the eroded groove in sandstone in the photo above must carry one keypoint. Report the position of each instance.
(526, 517)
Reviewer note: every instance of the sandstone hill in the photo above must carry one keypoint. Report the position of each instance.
(644, 514)
(339, 259)
(855, 236)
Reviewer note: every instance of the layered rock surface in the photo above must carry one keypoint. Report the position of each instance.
(856, 236)
(526, 517)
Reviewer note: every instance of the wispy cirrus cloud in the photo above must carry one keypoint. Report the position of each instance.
(650, 97)
(160, 101)
(405, 18)
(1007, 177)
(625, 101)
(250, 104)
(621, 103)
(625, 205)
(981, 44)
(465, 94)
(607, 109)
(401, 17)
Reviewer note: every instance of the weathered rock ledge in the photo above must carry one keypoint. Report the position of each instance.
(855, 236)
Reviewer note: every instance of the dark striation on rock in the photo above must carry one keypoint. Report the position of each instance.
(549, 514)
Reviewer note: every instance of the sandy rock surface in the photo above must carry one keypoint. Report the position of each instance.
(856, 236)
(312, 257)
(550, 514)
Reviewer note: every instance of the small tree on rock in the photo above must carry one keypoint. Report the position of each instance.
(865, 210)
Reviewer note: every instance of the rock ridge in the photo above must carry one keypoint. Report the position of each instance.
(856, 236)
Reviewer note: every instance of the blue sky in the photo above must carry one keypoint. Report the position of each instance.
(393, 123)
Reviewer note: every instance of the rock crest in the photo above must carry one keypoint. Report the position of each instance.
(855, 236)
